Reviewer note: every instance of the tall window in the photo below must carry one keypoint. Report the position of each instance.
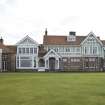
(78, 49)
(27, 50)
(23, 50)
(25, 62)
(91, 49)
(34, 62)
(72, 49)
(94, 50)
(35, 50)
(17, 62)
(31, 50)
(20, 51)
(85, 50)
(67, 50)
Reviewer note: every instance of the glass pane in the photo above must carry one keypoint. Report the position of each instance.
(17, 63)
(20, 51)
(27, 50)
(35, 50)
(23, 49)
(26, 63)
(25, 58)
(31, 50)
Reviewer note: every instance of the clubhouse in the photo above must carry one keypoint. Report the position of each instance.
(57, 53)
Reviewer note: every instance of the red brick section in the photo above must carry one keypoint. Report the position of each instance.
(8, 49)
(8, 55)
(41, 51)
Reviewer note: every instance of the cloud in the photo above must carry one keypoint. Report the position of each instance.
(70, 20)
(10, 2)
(33, 16)
(7, 6)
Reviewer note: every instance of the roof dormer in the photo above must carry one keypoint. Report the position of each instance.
(72, 36)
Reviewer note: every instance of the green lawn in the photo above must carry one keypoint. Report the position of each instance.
(52, 88)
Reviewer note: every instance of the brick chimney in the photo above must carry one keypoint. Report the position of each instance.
(45, 36)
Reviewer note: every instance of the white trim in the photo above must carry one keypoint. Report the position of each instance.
(53, 52)
(91, 33)
(18, 43)
(1, 60)
(32, 62)
(56, 56)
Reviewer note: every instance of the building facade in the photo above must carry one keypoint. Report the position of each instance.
(57, 53)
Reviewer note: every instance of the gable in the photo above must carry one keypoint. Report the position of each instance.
(91, 38)
(52, 53)
(27, 41)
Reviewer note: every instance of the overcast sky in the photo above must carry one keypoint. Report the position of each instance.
(30, 17)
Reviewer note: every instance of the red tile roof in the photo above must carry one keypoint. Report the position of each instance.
(62, 40)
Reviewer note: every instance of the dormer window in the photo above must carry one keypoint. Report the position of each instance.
(71, 37)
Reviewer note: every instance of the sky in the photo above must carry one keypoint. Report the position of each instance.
(19, 18)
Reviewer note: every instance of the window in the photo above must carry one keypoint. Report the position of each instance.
(23, 50)
(85, 50)
(17, 62)
(25, 61)
(61, 49)
(35, 50)
(71, 38)
(92, 65)
(72, 60)
(91, 59)
(20, 51)
(87, 64)
(17, 57)
(75, 60)
(64, 59)
(90, 49)
(72, 49)
(67, 50)
(31, 50)
(94, 50)
(27, 50)
(34, 63)
(4, 56)
(25, 58)
(78, 49)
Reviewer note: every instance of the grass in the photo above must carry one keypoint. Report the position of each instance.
(52, 88)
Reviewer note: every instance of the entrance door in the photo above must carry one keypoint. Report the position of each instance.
(52, 64)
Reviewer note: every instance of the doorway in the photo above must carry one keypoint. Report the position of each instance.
(52, 63)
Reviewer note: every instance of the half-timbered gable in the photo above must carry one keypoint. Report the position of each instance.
(77, 52)
(27, 54)
(92, 46)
